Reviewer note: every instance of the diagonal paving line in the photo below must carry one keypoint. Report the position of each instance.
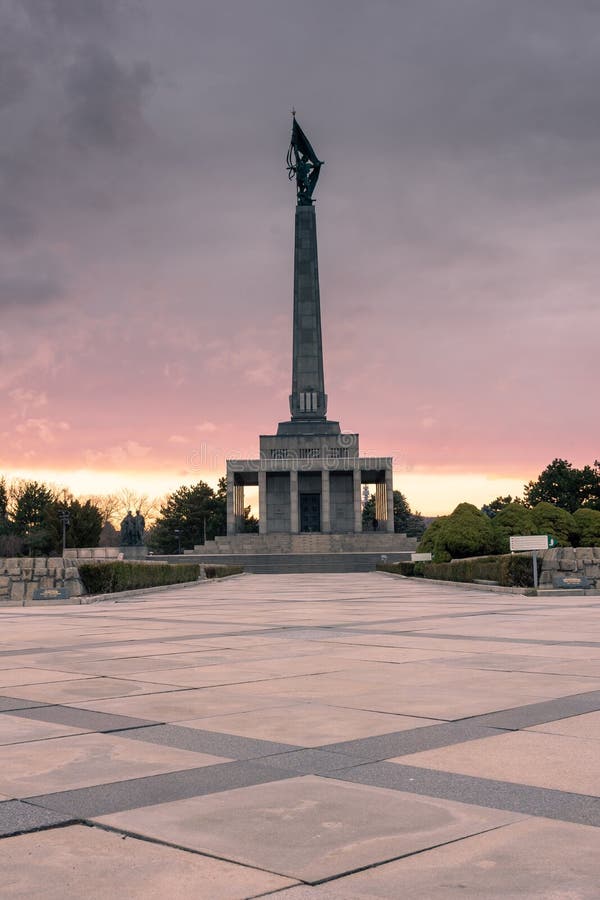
(523, 798)
(134, 793)
(539, 713)
(17, 817)
(414, 740)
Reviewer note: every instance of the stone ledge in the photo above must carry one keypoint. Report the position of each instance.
(97, 598)
(465, 585)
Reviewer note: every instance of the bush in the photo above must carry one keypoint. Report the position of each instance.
(466, 532)
(401, 568)
(509, 570)
(588, 525)
(514, 518)
(222, 571)
(559, 523)
(112, 577)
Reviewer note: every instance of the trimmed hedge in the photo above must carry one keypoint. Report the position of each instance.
(401, 568)
(510, 570)
(112, 577)
(222, 571)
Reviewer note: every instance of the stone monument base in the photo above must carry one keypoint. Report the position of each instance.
(134, 552)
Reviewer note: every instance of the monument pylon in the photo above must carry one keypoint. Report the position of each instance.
(309, 474)
(308, 400)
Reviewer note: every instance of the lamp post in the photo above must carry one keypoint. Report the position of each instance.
(65, 518)
(177, 533)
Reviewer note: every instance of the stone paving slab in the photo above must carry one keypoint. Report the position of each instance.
(547, 860)
(73, 691)
(309, 724)
(554, 761)
(17, 730)
(331, 828)
(11, 678)
(86, 759)
(79, 861)
(343, 702)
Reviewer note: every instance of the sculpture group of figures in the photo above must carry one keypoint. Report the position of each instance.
(303, 164)
(132, 529)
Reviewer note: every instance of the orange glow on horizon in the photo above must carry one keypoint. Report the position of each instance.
(430, 492)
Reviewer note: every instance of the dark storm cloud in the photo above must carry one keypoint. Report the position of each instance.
(78, 15)
(143, 144)
(62, 88)
(14, 77)
(28, 289)
(106, 100)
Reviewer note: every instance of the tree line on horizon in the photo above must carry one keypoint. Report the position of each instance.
(563, 501)
(31, 524)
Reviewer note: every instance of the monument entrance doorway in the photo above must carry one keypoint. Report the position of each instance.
(310, 512)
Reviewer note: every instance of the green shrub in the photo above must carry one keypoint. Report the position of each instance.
(401, 568)
(112, 577)
(466, 532)
(222, 571)
(588, 525)
(559, 523)
(509, 570)
(514, 518)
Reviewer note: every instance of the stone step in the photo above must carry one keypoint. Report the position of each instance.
(279, 563)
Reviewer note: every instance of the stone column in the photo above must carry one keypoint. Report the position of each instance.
(294, 524)
(357, 498)
(230, 504)
(262, 501)
(389, 489)
(325, 502)
(238, 506)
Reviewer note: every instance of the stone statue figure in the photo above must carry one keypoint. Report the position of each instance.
(302, 164)
(140, 524)
(132, 529)
(128, 531)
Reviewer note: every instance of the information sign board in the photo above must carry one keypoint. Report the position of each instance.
(531, 542)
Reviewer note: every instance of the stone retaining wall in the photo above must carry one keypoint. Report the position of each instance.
(25, 580)
(88, 553)
(576, 561)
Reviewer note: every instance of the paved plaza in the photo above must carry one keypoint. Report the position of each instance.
(305, 737)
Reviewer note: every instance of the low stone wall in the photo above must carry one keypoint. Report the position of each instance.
(88, 553)
(563, 563)
(24, 580)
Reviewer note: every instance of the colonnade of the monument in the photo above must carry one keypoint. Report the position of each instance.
(384, 503)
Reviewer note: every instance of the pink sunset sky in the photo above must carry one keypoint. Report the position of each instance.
(146, 235)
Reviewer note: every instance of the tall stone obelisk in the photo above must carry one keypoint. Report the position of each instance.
(308, 400)
(309, 475)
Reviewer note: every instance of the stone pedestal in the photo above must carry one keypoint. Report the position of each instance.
(134, 552)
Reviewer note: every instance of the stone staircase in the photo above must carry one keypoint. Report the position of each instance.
(375, 542)
(282, 563)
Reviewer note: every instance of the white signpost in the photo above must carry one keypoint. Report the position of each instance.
(420, 557)
(532, 543)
